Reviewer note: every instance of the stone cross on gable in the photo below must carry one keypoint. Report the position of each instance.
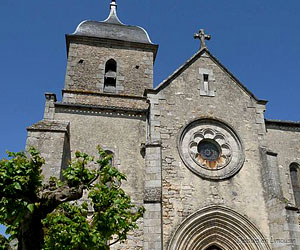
(202, 37)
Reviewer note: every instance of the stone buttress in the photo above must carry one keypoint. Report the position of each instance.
(198, 153)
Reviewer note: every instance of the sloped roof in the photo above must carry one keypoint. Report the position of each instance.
(113, 28)
(190, 61)
(283, 125)
(50, 125)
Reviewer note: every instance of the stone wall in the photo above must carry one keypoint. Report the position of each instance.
(121, 135)
(286, 143)
(284, 140)
(146, 147)
(106, 100)
(86, 68)
(51, 138)
(183, 192)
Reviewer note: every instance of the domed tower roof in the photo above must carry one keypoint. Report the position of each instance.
(113, 28)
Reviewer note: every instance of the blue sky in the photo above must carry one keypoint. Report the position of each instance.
(258, 41)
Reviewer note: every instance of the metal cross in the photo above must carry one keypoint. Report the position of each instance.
(202, 37)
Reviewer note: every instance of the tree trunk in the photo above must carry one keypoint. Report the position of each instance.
(31, 234)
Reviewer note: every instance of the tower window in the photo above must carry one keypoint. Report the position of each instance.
(110, 77)
(294, 172)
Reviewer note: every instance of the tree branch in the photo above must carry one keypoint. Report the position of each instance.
(114, 242)
(95, 178)
(52, 198)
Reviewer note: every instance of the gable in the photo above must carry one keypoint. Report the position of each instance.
(182, 116)
(204, 53)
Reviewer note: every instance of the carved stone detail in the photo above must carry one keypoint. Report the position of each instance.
(152, 194)
(211, 149)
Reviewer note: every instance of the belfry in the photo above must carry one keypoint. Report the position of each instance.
(199, 155)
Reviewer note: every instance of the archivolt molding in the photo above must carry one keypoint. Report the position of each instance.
(219, 226)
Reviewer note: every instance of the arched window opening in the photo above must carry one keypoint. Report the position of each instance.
(110, 77)
(111, 162)
(213, 248)
(294, 172)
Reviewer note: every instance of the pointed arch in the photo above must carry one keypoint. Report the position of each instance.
(220, 227)
(295, 180)
(109, 152)
(213, 247)
(110, 77)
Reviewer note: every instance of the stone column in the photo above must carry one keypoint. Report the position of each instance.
(283, 218)
(152, 198)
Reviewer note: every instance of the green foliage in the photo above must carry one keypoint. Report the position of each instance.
(3, 243)
(71, 227)
(25, 202)
(78, 173)
(67, 229)
(20, 181)
(114, 215)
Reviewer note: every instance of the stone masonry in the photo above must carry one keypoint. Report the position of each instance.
(247, 201)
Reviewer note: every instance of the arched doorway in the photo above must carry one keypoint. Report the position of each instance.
(217, 228)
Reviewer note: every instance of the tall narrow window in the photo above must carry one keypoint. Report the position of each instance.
(205, 83)
(110, 78)
(294, 172)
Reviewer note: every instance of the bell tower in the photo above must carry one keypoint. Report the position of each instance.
(108, 57)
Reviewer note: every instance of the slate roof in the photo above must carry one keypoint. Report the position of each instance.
(283, 125)
(113, 28)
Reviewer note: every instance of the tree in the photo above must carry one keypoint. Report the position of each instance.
(4, 244)
(46, 216)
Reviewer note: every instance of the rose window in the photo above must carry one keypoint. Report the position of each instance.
(210, 149)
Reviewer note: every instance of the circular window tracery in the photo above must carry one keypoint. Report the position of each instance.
(211, 149)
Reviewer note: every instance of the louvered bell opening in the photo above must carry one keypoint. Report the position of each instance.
(111, 74)
(110, 77)
(110, 81)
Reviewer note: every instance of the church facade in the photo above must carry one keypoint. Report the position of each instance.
(198, 153)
